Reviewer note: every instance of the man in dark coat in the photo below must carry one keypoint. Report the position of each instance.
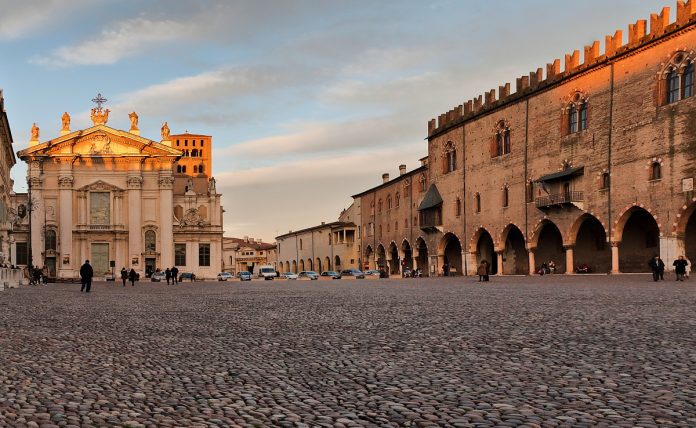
(132, 275)
(86, 274)
(680, 268)
(175, 275)
(657, 266)
(167, 275)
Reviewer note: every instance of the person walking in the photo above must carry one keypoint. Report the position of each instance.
(132, 276)
(124, 275)
(680, 268)
(175, 273)
(482, 271)
(657, 266)
(168, 275)
(445, 269)
(86, 274)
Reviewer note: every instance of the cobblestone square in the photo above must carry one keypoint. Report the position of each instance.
(518, 351)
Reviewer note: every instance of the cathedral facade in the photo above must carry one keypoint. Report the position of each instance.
(114, 198)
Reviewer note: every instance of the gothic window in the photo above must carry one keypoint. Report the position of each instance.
(605, 180)
(572, 119)
(672, 86)
(688, 81)
(397, 199)
(194, 153)
(501, 142)
(379, 206)
(150, 244)
(407, 187)
(677, 78)
(655, 171)
(458, 207)
(477, 202)
(575, 114)
(583, 115)
(450, 157)
(389, 202)
(50, 240)
(506, 197)
(200, 169)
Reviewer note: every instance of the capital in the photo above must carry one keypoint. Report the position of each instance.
(135, 182)
(65, 182)
(166, 182)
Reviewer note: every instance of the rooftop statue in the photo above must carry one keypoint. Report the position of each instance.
(66, 122)
(34, 132)
(133, 116)
(99, 116)
(165, 132)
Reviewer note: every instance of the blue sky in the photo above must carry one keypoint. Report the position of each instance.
(308, 102)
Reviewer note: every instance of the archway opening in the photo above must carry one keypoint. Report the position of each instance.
(515, 256)
(550, 247)
(451, 254)
(690, 239)
(485, 250)
(591, 247)
(393, 259)
(640, 241)
(287, 267)
(422, 257)
(407, 261)
(381, 257)
(369, 258)
(302, 266)
(337, 264)
(294, 266)
(317, 265)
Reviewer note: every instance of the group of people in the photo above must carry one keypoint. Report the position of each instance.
(127, 275)
(657, 266)
(547, 268)
(36, 275)
(483, 271)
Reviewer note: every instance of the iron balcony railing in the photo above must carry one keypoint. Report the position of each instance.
(559, 199)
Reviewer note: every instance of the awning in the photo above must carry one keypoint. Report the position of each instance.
(432, 199)
(568, 172)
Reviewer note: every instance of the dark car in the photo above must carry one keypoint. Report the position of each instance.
(187, 275)
(331, 274)
(357, 273)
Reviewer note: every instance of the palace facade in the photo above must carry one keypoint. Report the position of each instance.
(591, 166)
(117, 199)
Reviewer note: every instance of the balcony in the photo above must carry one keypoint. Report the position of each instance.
(575, 198)
(99, 228)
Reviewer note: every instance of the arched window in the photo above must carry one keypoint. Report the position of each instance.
(150, 244)
(178, 168)
(506, 196)
(576, 114)
(50, 240)
(397, 199)
(200, 169)
(379, 206)
(195, 169)
(389, 202)
(372, 208)
(477, 202)
(672, 86)
(183, 169)
(572, 119)
(605, 180)
(450, 157)
(677, 80)
(458, 207)
(583, 115)
(501, 143)
(656, 171)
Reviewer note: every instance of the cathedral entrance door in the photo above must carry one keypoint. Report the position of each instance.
(51, 265)
(149, 267)
(100, 259)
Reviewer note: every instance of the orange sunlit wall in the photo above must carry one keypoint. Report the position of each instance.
(197, 153)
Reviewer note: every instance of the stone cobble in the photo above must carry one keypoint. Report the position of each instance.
(555, 351)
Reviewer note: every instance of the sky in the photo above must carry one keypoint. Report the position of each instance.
(308, 101)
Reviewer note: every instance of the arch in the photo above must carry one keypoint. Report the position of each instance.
(407, 260)
(381, 257)
(515, 256)
(310, 264)
(317, 264)
(294, 266)
(422, 256)
(369, 258)
(450, 249)
(302, 266)
(337, 263)
(484, 248)
(589, 237)
(393, 259)
(638, 235)
(548, 244)
(287, 267)
(685, 229)
(327, 263)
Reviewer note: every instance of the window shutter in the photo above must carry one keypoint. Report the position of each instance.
(493, 148)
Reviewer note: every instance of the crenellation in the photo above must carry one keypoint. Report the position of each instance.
(613, 43)
(658, 22)
(636, 32)
(553, 69)
(432, 125)
(685, 11)
(591, 53)
(536, 77)
(468, 107)
(572, 61)
(478, 103)
(522, 83)
(441, 120)
(490, 97)
(504, 91)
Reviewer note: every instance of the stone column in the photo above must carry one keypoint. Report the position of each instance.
(500, 263)
(135, 248)
(82, 207)
(65, 183)
(532, 261)
(615, 257)
(570, 264)
(166, 184)
(118, 208)
(670, 251)
(472, 263)
(37, 220)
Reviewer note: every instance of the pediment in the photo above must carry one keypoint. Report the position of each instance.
(101, 141)
(100, 185)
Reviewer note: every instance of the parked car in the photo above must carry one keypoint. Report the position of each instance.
(331, 274)
(267, 272)
(288, 275)
(308, 274)
(158, 277)
(224, 276)
(357, 273)
(244, 275)
(372, 272)
(187, 275)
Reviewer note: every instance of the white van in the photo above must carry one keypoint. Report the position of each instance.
(267, 272)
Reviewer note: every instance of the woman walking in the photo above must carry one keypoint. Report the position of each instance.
(132, 276)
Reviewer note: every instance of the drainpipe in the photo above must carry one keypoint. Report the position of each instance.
(464, 198)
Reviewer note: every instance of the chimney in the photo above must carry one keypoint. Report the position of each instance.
(385, 177)
(246, 239)
(402, 169)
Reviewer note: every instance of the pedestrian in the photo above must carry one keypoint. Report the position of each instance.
(132, 276)
(543, 269)
(657, 266)
(680, 268)
(175, 277)
(168, 275)
(44, 275)
(552, 266)
(445, 269)
(86, 274)
(124, 275)
(482, 270)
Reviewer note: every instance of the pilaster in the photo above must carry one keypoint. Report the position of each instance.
(135, 247)
(166, 185)
(65, 184)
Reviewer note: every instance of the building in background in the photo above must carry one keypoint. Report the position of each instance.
(247, 254)
(196, 154)
(115, 198)
(7, 161)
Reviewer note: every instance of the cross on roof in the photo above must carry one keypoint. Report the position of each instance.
(99, 100)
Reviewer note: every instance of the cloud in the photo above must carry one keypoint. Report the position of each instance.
(121, 40)
(23, 18)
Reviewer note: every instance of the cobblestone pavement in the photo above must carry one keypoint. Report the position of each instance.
(549, 351)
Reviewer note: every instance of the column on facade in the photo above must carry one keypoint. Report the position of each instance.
(135, 248)
(166, 183)
(471, 263)
(614, 257)
(532, 261)
(13, 251)
(499, 254)
(118, 208)
(82, 207)
(570, 264)
(65, 270)
(37, 220)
